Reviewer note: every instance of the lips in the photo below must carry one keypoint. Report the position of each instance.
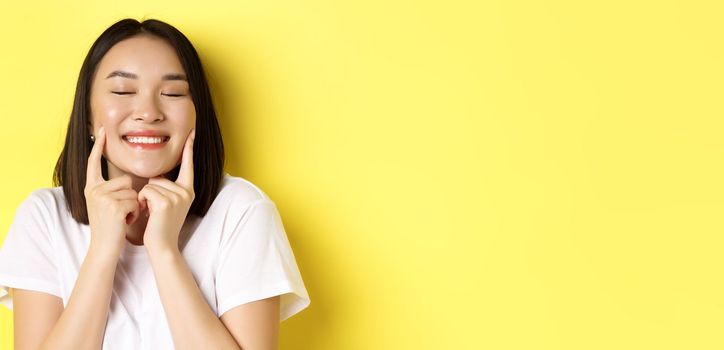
(150, 133)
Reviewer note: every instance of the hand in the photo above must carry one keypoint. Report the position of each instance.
(112, 205)
(169, 202)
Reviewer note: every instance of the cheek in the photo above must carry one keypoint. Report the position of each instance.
(184, 113)
(109, 111)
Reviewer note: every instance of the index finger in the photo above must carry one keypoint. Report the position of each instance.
(186, 172)
(94, 174)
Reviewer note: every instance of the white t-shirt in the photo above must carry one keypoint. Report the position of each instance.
(238, 253)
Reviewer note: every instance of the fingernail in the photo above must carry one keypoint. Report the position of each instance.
(101, 130)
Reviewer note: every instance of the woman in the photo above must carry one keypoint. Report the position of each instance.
(145, 242)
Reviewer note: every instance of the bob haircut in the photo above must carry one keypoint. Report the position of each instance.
(70, 170)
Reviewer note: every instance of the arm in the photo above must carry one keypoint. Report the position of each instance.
(192, 322)
(34, 315)
(112, 206)
(255, 325)
(41, 322)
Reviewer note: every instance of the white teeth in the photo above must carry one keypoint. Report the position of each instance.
(144, 139)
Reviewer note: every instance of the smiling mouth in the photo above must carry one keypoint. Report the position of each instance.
(146, 140)
(146, 143)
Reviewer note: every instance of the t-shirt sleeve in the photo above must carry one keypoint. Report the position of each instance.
(27, 259)
(257, 262)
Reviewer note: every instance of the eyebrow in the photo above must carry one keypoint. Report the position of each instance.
(123, 74)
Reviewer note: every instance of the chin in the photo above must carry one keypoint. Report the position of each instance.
(148, 172)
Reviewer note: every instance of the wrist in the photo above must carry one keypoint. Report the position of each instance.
(161, 250)
(103, 254)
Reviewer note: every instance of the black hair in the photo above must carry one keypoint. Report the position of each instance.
(70, 169)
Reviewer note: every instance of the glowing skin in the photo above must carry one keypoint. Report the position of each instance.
(140, 85)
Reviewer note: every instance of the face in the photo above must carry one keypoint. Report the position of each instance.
(141, 97)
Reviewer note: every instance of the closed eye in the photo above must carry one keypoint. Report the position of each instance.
(130, 93)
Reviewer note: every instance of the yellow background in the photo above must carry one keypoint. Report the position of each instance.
(451, 174)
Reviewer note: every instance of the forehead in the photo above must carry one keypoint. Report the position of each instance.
(144, 55)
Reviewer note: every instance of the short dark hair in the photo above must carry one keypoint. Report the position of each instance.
(70, 170)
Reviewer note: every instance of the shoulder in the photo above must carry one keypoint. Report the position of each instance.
(40, 212)
(236, 200)
(239, 192)
(45, 201)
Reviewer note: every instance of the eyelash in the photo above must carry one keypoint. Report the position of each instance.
(121, 93)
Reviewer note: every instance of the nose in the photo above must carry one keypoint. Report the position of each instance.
(148, 110)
